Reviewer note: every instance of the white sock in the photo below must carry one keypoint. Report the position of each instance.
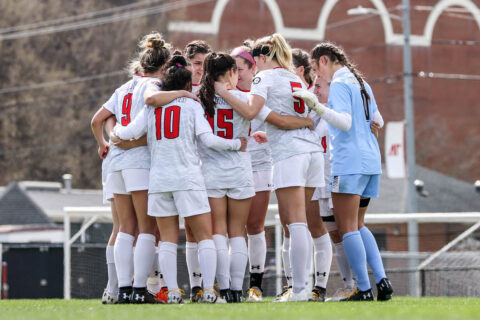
(344, 267)
(167, 258)
(323, 259)
(143, 259)
(223, 264)
(298, 254)
(286, 260)
(193, 265)
(153, 281)
(112, 284)
(257, 252)
(123, 255)
(161, 281)
(207, 257)
(238, 262)
(308, 265)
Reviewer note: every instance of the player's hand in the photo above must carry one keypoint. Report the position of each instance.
(190, 95)
(103, 150)
(114, 138)
(243, 146)
(125, 144)
(260, 136)
(310, 124)
(310, 99)
(220, 87)
(375, 127)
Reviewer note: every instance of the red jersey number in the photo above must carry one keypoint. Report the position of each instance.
(298, 104)
(170, 124)
(126, 108)
(324, 144)
(225, 127)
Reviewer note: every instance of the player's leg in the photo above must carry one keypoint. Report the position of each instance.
(193, 265)
(110, 294)
(218, 208)
(257, 246)
(346, 216)
(238, 209)
(322, 248)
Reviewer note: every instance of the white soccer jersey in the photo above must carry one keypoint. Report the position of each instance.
(129, 102)
(260, 153)
(172, 131)
(227, 169)
(276, 87)
(195, 88)
(321, 128)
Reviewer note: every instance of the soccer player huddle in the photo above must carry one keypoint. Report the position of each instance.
(207, 136)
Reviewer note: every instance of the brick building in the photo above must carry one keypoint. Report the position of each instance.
(445, 43)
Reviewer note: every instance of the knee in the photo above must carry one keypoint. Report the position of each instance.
(254, 228)
(335, 236)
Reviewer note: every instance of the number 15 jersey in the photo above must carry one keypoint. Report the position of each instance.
(276, 87)
(227, 169)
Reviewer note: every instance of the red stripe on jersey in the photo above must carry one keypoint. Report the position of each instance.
(242, 90)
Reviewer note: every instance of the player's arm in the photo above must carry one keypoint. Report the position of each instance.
(135, 129)
(129, 144)
(340, 120)
(284, 121)
(98, 119)
(157, 98)
(249, 109)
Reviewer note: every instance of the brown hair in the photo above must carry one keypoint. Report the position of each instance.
(276, 48)
(216, 65)
(155, 53)
(196, 46)
(177, 77)
(337, 55)
(301, 58)
(134, 67)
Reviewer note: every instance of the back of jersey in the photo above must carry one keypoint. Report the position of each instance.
(172, 131)
(226, 169)
(139, 157)
(276, 87)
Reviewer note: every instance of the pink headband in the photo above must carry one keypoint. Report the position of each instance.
(244, 54)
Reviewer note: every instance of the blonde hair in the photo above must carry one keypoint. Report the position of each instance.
(278, 50)
(155, 53)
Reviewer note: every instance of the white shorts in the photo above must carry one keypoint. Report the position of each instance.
(233, 193)
(128, 180)
(326, 212)
(303, 170)
(263, 180)
(107, 196)
(184, 203)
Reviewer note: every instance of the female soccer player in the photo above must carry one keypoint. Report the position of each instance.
(319, 204)
(177, 185)
(262, 179)
(297, 156)
(196, 51)
(355, 159)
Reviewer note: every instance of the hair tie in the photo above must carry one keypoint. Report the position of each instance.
(179, 65)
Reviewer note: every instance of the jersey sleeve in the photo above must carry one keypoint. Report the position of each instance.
(339, 98)
(135, 129)
(201, 123)
(263, 113)
(261, 84)
(214, 142)
(110, 104)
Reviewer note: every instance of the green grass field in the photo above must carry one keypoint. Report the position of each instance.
(399, 308)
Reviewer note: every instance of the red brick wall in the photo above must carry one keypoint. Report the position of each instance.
(446, 110)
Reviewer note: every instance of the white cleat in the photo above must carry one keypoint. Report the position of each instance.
(175, 296)
(341, 294)
(108, 298)
(254, 295)
(301, 296)
(284, 296)
(211, 296)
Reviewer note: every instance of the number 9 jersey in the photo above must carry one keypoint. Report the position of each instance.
(276, 87)
(227, 169)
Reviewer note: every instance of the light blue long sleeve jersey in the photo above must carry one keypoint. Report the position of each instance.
(354, 151)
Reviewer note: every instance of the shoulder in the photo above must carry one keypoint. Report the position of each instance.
(239, 94)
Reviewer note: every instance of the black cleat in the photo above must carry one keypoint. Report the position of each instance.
(142, 296)
(226, 294)
(358, 295)
(318, 294)
(196, 294)
(237, 296)
(124, 295)
(384, 290)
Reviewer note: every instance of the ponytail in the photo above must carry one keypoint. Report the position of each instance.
(215, 65)
(337, 55)
(276, 48)
(177, 77)
(155, 53)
